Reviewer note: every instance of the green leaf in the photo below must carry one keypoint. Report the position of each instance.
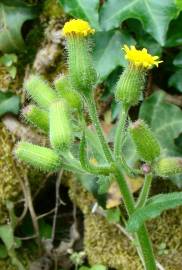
(13, 14)
(98, 267)
(155, 206)
(164, 119)
(176, 80)
(179, 4)
(3, 252)
(8, 59)
(9, 103)
(103, 184)
(83, 9)
(174, 37)
(107, 55)
(178, 60)
(156, 23)
(113, 215)
(7, 236)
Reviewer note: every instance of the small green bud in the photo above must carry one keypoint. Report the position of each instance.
(36, 116)
(130, 85)
(65, 90)
(39, 157)
(40, 91)
(145, 142)
(82, 73)
(60, 126)
(168, 166)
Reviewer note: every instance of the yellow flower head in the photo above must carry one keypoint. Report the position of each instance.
(77, 27)
(140, 57)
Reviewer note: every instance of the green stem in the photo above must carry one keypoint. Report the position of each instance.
(144, 245)
(145, 249)
(145, 191)
(94, 117)
(120, 133)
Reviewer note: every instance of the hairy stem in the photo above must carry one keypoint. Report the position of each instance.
(144, 245)
(120, 133)
(94, 117)
(145, 191)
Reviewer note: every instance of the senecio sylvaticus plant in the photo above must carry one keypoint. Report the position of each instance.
(59, 112)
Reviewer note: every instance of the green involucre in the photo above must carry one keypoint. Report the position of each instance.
(130, 85)
(39, 157)
(66, 91)
(168, 166)
(145, 142)
(60, 126)
(82, 73)
(40, 91)
(37, 117)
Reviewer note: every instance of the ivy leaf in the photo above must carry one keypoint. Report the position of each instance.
(178, 60)
(13, 14)
(83, 9)
(107, 54)
(155, 16)
(164, 119)
(176, 80)
(155, 206)
(174, 38)
(9, 103)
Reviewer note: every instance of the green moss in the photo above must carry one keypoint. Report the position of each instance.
(106, 244)
(51, 8)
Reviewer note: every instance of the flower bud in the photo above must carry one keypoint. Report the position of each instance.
(60, 126)
(36, 116)
(82, 73)
(145, 142)
(65, 90)
(168, 166)
(39, 157)
(40, 91)
(130, 85)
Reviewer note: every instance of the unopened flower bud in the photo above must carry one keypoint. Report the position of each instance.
(39, 157)
(60, 125)
(66, 91)
(40, 91)
(36, 116)
(168, 166)
(145, 142)
(82, 73)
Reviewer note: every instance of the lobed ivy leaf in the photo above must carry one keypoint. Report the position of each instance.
(155, 16)
(107, 55)
(154, 207)
(83, 9)
(164, 119)
(9, 103)
(13, 14)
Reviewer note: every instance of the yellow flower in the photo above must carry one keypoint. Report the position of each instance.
(140, 57)
(77, 27)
